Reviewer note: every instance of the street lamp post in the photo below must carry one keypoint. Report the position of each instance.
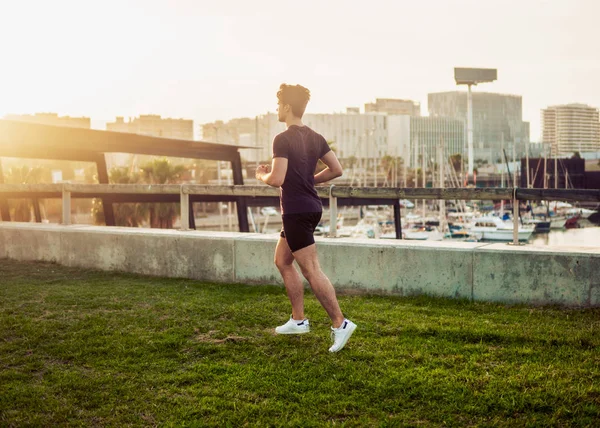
(470, 77)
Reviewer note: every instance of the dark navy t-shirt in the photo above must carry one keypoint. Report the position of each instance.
(303, 148)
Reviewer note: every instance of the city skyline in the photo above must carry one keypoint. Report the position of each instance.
(207, 62)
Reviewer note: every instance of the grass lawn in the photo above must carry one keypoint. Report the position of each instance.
(89, 348)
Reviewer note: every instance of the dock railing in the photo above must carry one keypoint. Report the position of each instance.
(348, 195)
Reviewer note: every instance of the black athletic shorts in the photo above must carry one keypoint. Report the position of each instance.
(298, 229)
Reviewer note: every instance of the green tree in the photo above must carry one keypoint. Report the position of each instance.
(351, 162)
(478, 163)
(456, 161)
(389, 162)
(26, 175)
(126, 214)
(576, 155)
(161, 171)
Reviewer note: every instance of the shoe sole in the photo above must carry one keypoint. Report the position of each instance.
(351, 332)
(293, 332)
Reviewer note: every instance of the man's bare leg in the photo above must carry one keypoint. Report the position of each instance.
(309, 264)
(284, 260)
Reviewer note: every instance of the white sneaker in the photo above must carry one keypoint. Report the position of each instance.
(294, 327)
(341, 335)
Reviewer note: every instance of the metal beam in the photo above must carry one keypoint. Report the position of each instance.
(192, 216)
(36, 210)
(242, 207)
(109, 214)
(265, 195)
(35, 152)
(397, 220)
(35, 137)
(4, 211)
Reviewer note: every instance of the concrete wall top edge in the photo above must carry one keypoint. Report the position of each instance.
(273, 237)
(530, 249)
(78, 228)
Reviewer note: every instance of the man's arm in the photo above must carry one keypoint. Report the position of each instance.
(275, 175)
(333, 170)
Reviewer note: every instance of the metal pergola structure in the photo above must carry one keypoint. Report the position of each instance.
(37, 141)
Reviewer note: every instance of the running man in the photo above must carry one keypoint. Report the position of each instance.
(296, 152)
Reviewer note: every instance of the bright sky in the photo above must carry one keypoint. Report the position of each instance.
(208, 60)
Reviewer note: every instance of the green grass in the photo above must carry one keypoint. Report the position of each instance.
(88, 348)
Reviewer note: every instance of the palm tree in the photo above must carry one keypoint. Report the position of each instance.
(456, 160)
(126, 214)
(26, 175)
(161, 171)
(351, 162)
(388, 163)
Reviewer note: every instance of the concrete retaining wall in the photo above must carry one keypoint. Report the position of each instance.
(478, 271)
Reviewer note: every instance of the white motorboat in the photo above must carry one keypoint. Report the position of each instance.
(494, 229)
(367, 227)
(557, 221)
(582, 212)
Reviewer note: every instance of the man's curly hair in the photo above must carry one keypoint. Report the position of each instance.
(296, 96)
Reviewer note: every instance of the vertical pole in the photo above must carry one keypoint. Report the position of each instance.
(515, 203)
(527, 164)
(555, 172)
(405, 172)
(251, 216)
(397, 219)
(192, 216)
(332, 213)
(502, 180)
(229, 204)
(545, 170)
(442, 185)
(4, 211)
(36, 210)
(241, 205)
(66, 205)
(184, 208)
(546, 183)
(220, 202)
(470, 131)
(109, 214)
(416, 161)
(423, 166)
(375, 160)
(514, 158)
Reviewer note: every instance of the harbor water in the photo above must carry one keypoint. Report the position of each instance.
(582, 237)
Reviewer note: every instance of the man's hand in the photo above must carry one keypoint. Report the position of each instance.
(262, 170)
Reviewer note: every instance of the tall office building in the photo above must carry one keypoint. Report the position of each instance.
(51, 119)
(428, 134)
(371, 135)
(155, 126)
(497, 120)
(571, 128)
(362, 136)
(394, 106)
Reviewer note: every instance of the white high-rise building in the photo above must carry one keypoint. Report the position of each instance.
(571, 128)
(361, 136)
